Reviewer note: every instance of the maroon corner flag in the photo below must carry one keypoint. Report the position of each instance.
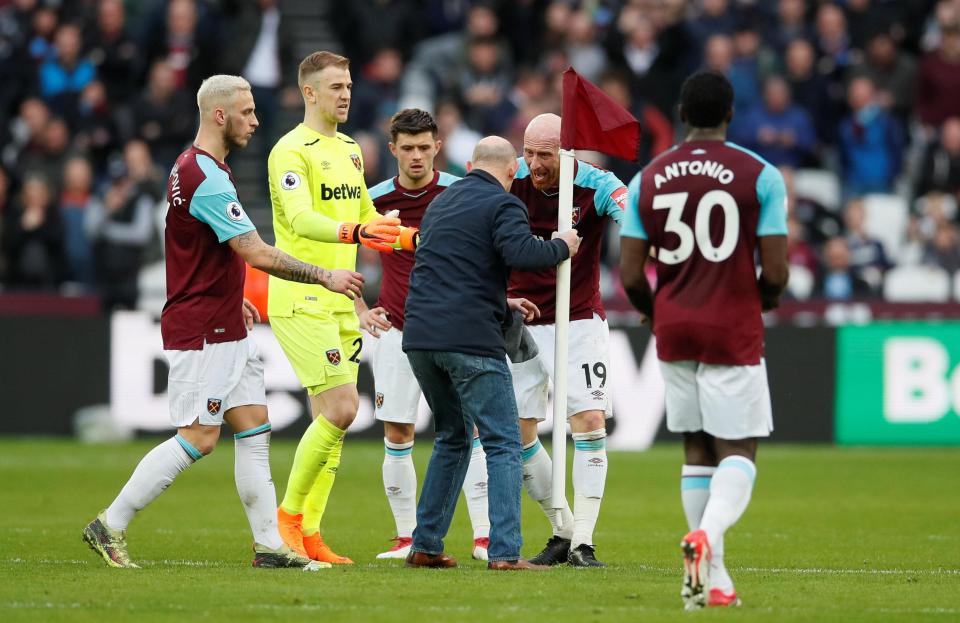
(591, 120)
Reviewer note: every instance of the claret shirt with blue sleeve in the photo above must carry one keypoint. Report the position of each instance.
(204, 276)
(702, 206)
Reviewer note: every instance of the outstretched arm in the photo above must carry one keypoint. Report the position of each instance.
(273, 261)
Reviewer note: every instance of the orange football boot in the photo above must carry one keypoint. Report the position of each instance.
(291, 530)
(318, 550)
(720, 599)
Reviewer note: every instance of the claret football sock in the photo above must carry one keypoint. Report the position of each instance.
(538, 481)
(730, 490)
(313, 452)
(589, 478)
(400, 485)
(255, 485)
(475, 490)
(316, 502)
(153, 475)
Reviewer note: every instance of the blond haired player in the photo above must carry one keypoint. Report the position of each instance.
(215, 370)
(321, 209)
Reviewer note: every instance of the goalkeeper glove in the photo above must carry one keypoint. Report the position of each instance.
(379, 234)
(408, 239)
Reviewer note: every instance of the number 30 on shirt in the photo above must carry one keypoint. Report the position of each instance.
(699, 236)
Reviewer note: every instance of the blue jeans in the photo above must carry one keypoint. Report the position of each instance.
(463, 391)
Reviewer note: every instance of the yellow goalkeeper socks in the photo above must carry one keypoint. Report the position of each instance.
(316, 446)
(316, 501)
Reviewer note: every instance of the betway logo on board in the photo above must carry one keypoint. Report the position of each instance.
(343, 191)
(898, 383)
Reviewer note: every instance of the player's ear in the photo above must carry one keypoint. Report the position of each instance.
(437, 145)
(680, 113)
(729, 115)
(393, 148)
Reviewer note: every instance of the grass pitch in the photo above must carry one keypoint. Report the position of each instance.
(831, 535)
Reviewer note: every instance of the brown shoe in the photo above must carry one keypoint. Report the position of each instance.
(515, 565)
(434, 561)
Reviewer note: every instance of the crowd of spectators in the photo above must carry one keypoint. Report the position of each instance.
(98, 99)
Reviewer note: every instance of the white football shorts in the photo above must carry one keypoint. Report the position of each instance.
(728, 402)
(588, 370)
(397, 390)
(205, 384)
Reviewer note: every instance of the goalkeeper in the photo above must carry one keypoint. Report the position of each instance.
(321, 210)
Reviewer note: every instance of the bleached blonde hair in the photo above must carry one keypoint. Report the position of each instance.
(216, 90)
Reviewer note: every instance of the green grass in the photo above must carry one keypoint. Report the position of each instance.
(831, 535)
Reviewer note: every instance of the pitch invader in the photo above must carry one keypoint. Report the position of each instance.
(216, 374)
(414, 144)
(597, 195)
(705, 207)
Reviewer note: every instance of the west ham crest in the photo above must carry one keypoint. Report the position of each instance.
(575, 216)
(379, 399)
(333, 356)
(213, 405)
(357, 162)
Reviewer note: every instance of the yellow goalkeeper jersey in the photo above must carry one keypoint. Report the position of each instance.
(310, 171)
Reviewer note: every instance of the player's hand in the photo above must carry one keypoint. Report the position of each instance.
(572, 239)
(373, 321)
(530, 311)
(344, 282)
(250, 314)
(379, 234)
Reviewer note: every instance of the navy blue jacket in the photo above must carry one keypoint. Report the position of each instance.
(471, 236)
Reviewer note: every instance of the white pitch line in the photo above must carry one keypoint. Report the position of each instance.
(824, 571)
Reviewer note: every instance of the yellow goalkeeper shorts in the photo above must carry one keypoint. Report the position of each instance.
(323, 347)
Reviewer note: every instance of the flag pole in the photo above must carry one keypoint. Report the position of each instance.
(562, 324)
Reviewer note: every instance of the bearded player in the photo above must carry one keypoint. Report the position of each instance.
(707, 207)
(321, 210)
(597, 196)
(414, 144)
(216, 374)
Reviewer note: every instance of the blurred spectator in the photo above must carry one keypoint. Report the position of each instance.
(715, 18)
(54, 149)
(371, 150)
(867, 256)
(833, 39)
(940, 171)
(871, 143)
(64, 76)
(585, 53)
(75, 202)
(261, 50)
(396, 24)
(938, 88)
(458, 140)
(121, 228)
(437, 62)
(892, 71)
(943, 249)
(799, 251)
(26, 132)
(33, 238)
(5, 192)
(191, 53)
(789, 25)
(483, 85)
(777, 130)
(837, 281)
(376, 90)
(819, 223)
(113, 51)
(810, 90)
(43, 26)
(163, 116)
(97, 131)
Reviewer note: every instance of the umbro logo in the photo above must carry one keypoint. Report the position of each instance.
(596, 461)
(598, 394)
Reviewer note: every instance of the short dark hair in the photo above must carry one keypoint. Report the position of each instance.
(706, 99)
(412, 121)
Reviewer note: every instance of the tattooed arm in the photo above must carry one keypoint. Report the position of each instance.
(273, 261)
